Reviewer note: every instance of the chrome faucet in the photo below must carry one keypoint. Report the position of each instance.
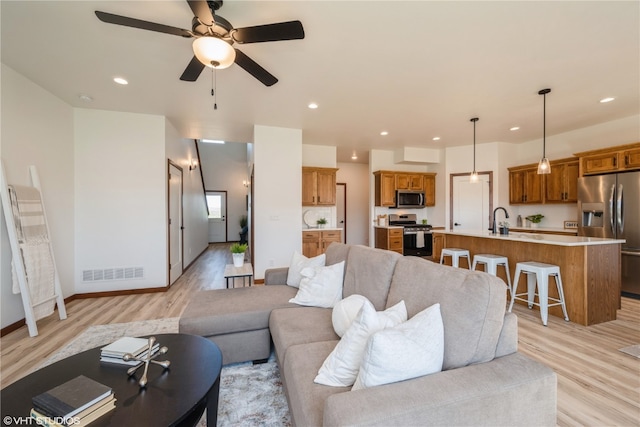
(506, 215)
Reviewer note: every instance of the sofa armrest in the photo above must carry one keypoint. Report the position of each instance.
(510, 390)
(276, 276)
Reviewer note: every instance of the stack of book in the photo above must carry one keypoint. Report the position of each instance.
(137, 347)
(77, 402)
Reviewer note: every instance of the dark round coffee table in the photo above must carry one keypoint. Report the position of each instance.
(173, 397)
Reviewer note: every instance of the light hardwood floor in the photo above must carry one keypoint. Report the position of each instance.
(597, 384)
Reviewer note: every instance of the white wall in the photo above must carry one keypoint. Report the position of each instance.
(37, 129)
(277, 154)
(120, 192)
(224, 167)
(356, 176)
(194, 210)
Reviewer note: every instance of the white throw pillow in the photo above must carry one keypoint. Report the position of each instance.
(409, 350)
(300, 262)
(340, 368)
(345, 312)
(320, 286)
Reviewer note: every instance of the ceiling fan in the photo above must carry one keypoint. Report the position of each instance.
(214, 37)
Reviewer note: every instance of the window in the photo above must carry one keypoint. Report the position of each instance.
(214, 203)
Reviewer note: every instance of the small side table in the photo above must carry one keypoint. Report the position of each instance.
(231, 272)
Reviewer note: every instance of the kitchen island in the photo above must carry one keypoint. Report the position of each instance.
(590, 267)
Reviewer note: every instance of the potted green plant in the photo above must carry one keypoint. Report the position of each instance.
(534, 219)
(237, 252)
(322, 222)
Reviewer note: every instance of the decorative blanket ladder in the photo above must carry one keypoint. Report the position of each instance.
(34, 267)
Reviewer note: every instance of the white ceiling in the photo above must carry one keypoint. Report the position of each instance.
(417, 69)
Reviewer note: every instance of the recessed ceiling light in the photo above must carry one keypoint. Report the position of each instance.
(384, 133)
(85, 98)
(120, 81)
(436, 138)
(212, 141)
(515, 128)
(354, 156)
(605, 100)
(313, 105)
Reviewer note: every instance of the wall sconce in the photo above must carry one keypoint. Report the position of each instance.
(193, 165)
(245, 183)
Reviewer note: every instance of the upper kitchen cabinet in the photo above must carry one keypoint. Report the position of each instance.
(318, 186)
(385, 188)
(525, 185)
(614, 159)
(561, 184)
(409, 181)
(387, 182)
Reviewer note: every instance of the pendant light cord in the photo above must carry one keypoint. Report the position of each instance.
(214, 87)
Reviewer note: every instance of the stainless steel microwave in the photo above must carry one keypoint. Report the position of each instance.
(409, 199)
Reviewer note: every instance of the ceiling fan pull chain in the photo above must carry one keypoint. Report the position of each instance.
(214, 88)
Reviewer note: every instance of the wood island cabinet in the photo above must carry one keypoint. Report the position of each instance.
(525, 185)
(620, 158)
(561, 185)
(315, 242)
(387, 182)
(390, 238)
(318, 186)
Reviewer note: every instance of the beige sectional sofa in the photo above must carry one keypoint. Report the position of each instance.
(485, 381)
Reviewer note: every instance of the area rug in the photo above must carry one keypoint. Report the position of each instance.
(250, 395)
(633, 350)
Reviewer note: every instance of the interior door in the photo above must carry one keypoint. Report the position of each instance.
(217, 203)
(175, 223)
(341, 209)
(470, 202)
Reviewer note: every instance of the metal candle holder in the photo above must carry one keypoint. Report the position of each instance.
(146, 358)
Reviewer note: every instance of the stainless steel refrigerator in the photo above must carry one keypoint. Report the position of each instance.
(609, 206)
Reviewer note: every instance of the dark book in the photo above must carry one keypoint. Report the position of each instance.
(70, 398)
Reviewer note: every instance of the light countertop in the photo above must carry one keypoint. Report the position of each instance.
(322, 229)
(547, 239)
(544, 229)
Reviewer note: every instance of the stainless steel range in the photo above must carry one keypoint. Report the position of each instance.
(416, 237)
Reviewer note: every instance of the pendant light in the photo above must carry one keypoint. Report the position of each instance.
(474, 175)
(543, 166)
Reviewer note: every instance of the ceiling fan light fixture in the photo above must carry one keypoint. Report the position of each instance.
(214, 52)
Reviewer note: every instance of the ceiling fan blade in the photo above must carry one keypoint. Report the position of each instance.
(290, 30)
(143, 25)
(252, 67)
(193, 70)
(201, 10)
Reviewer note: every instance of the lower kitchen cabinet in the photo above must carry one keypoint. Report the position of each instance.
(315, 242)
(389, 238)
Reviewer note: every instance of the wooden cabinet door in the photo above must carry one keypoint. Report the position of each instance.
(429, 185)
(385, 189)
(326, 192)
(600, 163)
(533, 186)
(554, 186)
(403, 181)
(416, 182)
(309, 186)
(329, 237)
(438, 245)
(516, 187)
(571, 174)
(311, 243)
(631, 158)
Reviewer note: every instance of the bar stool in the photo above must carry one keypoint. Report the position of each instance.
(539, 272)
(455, 254)
(491, 263)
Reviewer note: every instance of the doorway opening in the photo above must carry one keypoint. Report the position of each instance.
(471, 203)
(341, 209)
(174, 210)
(217, 204)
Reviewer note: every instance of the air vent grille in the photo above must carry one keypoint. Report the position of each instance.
(111, 274)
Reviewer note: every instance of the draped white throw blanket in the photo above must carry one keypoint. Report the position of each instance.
(33, 240)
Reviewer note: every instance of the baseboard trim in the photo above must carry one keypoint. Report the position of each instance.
(22, 322)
